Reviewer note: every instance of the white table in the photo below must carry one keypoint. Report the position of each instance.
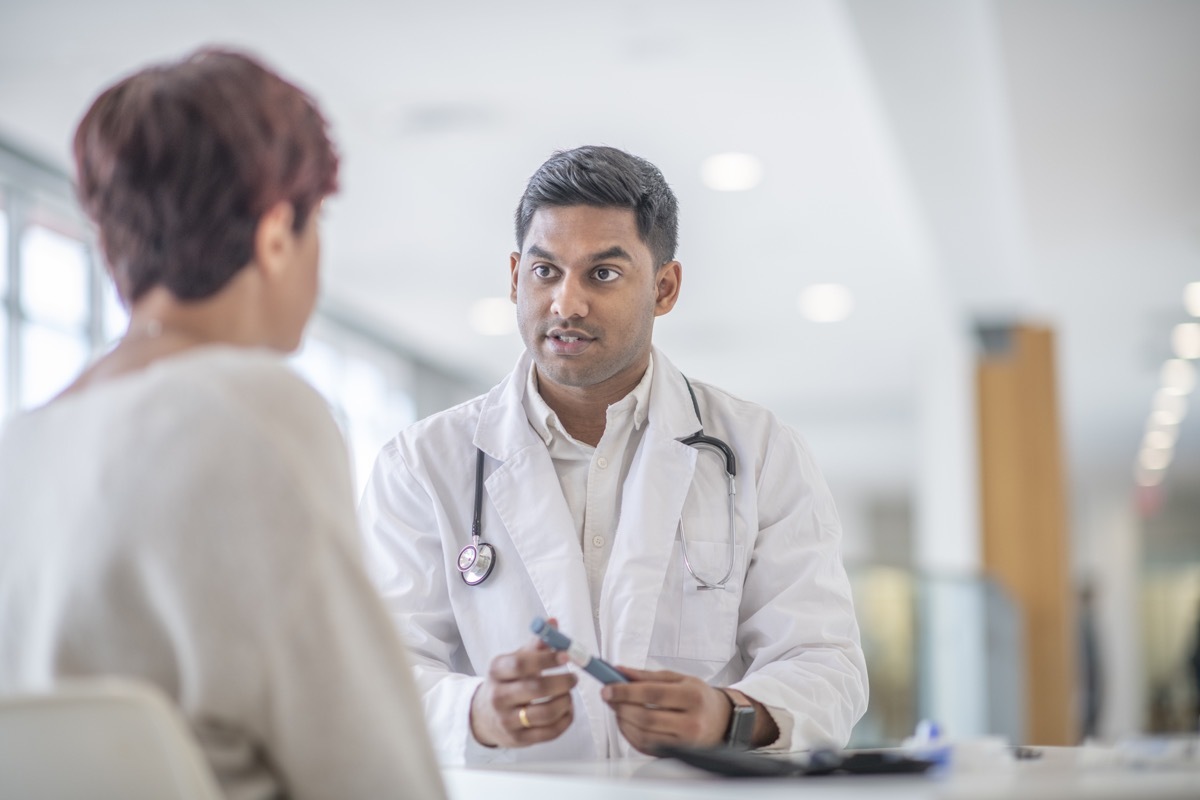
(1061, 773)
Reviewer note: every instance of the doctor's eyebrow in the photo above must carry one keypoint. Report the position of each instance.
(612, 253)
(616, 252)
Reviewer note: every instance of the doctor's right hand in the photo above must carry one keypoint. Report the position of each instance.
(517, 705)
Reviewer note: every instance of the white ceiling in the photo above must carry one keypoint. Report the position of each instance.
(958, 159)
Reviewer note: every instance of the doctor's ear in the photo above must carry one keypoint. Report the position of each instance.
(514, 261)
(667, 281)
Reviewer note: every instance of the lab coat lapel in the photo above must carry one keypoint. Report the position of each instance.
(660, 476)
(526, 493)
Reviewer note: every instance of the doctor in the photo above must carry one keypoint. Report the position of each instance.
(598, 506)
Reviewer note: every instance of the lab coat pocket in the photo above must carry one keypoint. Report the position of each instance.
(698, 623)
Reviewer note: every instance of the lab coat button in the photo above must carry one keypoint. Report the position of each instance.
(598, 541)
(602, 462)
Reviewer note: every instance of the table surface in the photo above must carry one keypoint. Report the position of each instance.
(1089, 773)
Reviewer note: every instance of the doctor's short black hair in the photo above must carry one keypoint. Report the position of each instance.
(606, 177)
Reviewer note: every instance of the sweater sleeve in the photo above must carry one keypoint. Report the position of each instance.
(343, 716)
(340, 716)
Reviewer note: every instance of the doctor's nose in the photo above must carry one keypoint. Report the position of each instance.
(570, 300)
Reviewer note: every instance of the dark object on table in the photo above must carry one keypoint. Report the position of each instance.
(742, 764)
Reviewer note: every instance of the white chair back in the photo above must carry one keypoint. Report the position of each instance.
(99, 739)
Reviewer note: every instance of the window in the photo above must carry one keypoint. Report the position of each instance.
(3, 258)
(5, 401)
(54, 304)
(368, 388)
(114, 317)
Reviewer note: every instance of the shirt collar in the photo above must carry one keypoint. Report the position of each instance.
(545, 422)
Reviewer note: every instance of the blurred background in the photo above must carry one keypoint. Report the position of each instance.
(956, 243)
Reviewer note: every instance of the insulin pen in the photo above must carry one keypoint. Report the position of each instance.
(597, 668)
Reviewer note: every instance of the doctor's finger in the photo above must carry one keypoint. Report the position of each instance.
(643, 740)
(524, 663)
(654, 675)
(654, 722)
(541, 715)
(544, 725)
(522, 692)
(673, 696)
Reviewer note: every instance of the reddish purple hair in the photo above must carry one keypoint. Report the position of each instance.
(177, 164)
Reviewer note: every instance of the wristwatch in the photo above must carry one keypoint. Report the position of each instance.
(740, 732)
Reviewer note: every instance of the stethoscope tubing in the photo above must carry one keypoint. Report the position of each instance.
(702, 584)
(477, 560)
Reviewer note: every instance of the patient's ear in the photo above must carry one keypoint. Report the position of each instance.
(274, 239)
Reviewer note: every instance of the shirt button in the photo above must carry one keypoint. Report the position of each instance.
(602, 462)
(598, 541)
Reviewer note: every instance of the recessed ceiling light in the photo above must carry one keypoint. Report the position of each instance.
(826, 302)
(1185, 340)
(1170, 406)
(1147, 477)
(1191, 298)
(493, 316)
(1155, 459)
(731, 172)
(1160, 438)
(1162, 420)
(1178, 376)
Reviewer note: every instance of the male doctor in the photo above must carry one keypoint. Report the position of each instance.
(598, 512)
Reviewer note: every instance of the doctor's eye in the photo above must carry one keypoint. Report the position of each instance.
(606, 274)
(543, 271)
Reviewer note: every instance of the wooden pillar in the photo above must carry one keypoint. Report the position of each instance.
(1023, 499)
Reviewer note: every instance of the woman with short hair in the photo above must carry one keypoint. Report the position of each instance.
(183, 513)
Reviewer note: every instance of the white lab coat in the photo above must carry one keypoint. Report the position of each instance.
(783, 630)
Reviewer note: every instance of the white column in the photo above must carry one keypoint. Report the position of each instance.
(952, 666)
(1116, 565)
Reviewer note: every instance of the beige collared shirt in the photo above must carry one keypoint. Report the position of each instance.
(592, 477)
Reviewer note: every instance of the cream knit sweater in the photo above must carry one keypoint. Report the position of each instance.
(193, 525)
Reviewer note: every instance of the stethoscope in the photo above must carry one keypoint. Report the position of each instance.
(477, 560)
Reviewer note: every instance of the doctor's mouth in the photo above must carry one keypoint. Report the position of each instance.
(569, 342)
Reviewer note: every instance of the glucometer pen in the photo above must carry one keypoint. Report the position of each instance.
(597, 668)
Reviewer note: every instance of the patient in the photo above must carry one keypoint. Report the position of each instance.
(183, 513)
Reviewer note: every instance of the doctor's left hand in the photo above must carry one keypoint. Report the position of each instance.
(663, 707)
(519, 703)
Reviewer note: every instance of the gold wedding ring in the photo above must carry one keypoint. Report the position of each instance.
(521, 715)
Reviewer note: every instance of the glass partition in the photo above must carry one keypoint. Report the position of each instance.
(912, 626)
(1171, 642)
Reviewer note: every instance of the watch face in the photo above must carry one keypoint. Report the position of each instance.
(741, 727)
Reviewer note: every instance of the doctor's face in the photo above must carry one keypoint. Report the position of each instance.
(587, 292)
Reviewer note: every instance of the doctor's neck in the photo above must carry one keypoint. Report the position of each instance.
(583, 410)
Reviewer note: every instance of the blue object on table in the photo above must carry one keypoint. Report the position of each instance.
(557, 640)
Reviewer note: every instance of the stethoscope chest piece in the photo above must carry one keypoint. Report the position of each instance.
(475, 562)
